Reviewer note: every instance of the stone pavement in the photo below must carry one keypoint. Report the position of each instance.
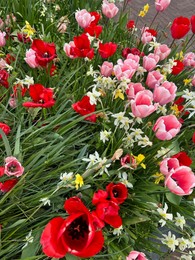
(177, 8)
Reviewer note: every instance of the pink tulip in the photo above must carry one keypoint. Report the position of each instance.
(161, 5)
(67, 48)
(31, 58)
(13, 167)
(150, 61)
(162, 51)
(106, 69)
(165, 93)
(83, 18)
(109, 9)
(127, 68)
(2, 39)
(166, 127)
(136, 255)
(168, 165)
(181, 181)
(154, 78)
(147, 37)
(2, 64)
(142, 105)
(189, 59)
(133, 89)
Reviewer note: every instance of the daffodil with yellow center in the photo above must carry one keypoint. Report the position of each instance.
(28, 29)
(79, 181)
(119, 94)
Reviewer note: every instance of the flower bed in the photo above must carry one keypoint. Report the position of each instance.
(96, 132)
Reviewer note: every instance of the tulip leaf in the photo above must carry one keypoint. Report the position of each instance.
(173, 198)
(6, 143)
(135, 220)
(71, 257)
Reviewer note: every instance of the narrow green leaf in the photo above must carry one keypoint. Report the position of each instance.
(6, 143)
(17, 143)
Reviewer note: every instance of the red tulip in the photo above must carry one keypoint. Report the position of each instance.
(107, 49)
(2, 170)
(5, 128)
(4, 75)
(178, 67)
(97, 17)
(180, 27)
(82, 47)
(41, 96)
(183, 158)
(83, 107)
(44, 52)
(192, 20)
(130, 25)
(7, 185)
(76, 234)
(117, 192)
(93, 30)
(99, 196)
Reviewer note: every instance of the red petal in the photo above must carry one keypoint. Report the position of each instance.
(75, 205)
(114, 221)
(52, 245)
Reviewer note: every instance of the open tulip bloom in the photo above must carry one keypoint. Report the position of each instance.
(97, 136)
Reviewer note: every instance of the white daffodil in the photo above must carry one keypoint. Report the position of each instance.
(165, 216)
(180, 221)
(170, 240)
(104, 135)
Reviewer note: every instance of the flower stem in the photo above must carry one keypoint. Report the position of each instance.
(154, 19)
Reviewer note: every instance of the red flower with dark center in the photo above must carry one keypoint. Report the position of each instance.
(183, 158)
(4, 75)
(107, 211)
(117, 192)
(76, 234)
(44, 52)
(106, 50)
(41, 96)
(180, 27)
(152, 31)
(178, 67)
(82, 47)
(7, 185)
(6, 129)
(192, 20)
(130, 25)
(83, 107)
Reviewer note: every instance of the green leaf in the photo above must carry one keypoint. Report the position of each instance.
(173, 198)
(17, 143)
(20, 221)
(135, 220)
(6, 143)
(71, 257)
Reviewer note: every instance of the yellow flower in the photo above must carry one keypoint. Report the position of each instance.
(179, 56)
(28, 29)
(146, 8)
(139, 160)
(79, 181)
(143, 12)
(158, 177)
(119, 94)
(175, 109)
(187, 81)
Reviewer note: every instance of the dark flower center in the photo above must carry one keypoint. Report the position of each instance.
(12, 168)
(46, 55)
(115, 193)
(78, 228)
